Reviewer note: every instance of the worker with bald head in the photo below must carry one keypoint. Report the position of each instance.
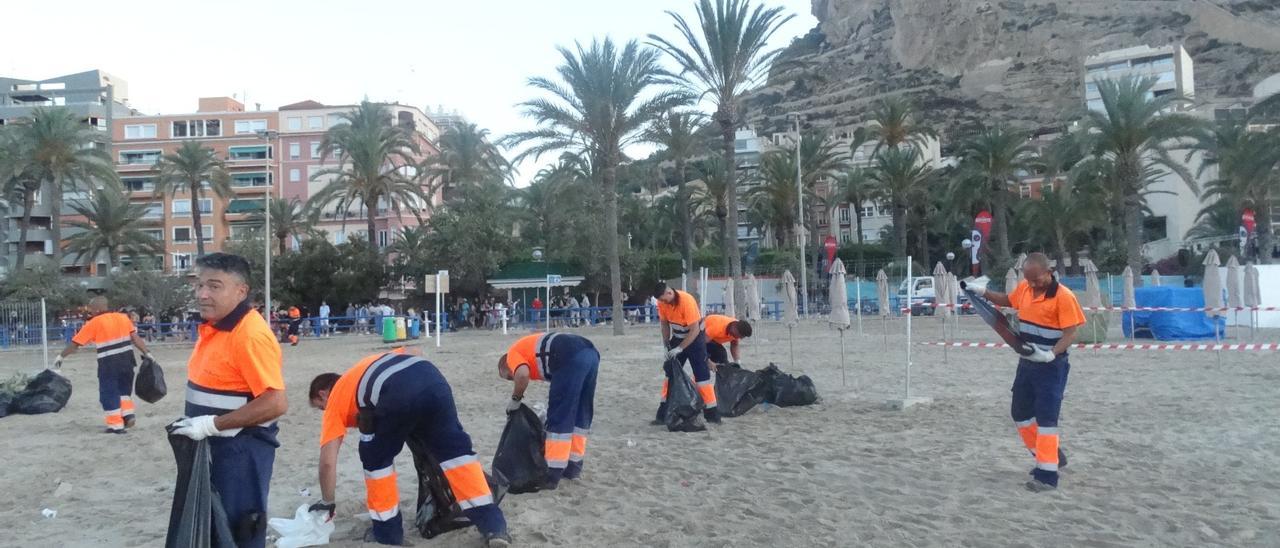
(1048, 317)
(114, 336)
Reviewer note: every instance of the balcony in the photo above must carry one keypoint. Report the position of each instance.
(34, 234)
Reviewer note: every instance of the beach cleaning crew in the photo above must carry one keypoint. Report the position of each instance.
(391, 398)
(682, 332)
(295, 321)
(570, 363)
(722, 330)
(1048, 317)
(235, 393)
(114, 337)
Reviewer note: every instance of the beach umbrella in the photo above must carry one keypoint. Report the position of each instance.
(1212, 285)
(1128, 302)
(1234, 296)
(882, 292)
(1011, 280)
(753, 298)
(1019, 264)
(790, 315)
(729, 309)
(1155, 278)
(839, 317)
(1252, 291)
(1092, 290)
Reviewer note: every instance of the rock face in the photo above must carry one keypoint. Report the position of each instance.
(965, 62)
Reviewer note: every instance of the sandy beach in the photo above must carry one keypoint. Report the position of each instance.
(1166, 449)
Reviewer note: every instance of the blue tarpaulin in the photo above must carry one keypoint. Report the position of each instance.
(1171, 326)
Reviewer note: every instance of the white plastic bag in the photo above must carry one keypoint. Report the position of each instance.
(305, 529)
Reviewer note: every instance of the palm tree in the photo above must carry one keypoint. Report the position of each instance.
(773, 201)
(992, 161)
(466, 157)
(1248, 165)
(859, 188)
(678, 133)
(190, 169)
(597, 108)
(901, 181)
(1061, 214)
(721, 60)
(112, 225)
(289, 217)
(894, 123)
(68, 153)
(19, 180)
(710, 199)
(1136, 133)
(372, 155)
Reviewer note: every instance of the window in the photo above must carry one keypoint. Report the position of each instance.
(182, 208)
(335, 119)
(136, 157)
(868, 211)
(295, 123)
(259, 152)
(206, 233)
(181, 234)
(315, 122)
(250, 126)
(295, 151)
(1118, 67)
(140, 131)
(138, 184)
(196, 128)
(1165, 78)
(315, 149)
(844, 214)
(157, 233)
(340, 237)
(249, 179)
(382, 238)
(336, 153)
(154, 211)
(181, 262)
(295, 175)
(1096, 105)
(1024, 190)
(1163, 62)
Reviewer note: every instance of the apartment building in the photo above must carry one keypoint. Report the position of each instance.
(1170, 66)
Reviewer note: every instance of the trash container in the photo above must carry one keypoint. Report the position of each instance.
(415, 327)
(388, 329)
(401, 331)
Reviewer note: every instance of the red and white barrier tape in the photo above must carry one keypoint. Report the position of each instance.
(1107, 346)
(1124, 309)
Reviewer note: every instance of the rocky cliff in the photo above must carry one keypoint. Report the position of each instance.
(1019, 61)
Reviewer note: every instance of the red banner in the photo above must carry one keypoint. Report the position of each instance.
(983, 223)
(830, 245)
(1246, 219)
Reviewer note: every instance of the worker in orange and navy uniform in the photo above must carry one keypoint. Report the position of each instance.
(722, 330)
(1048, 317)
(114, 336)
(295, 320)
(391, 398)
(570, 363)
(682, 332)
(235, 393)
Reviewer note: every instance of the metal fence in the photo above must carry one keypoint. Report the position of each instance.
(24, 325)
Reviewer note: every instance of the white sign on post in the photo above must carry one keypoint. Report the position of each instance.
(554, 279)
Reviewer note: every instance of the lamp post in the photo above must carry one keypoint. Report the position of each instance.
(267, 136)
(800, 239)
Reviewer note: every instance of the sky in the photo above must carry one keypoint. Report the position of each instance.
(470, 55)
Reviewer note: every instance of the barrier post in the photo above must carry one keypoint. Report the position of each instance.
(44, 331)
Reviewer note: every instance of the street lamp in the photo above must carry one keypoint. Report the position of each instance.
(800, 239)
(267, 136)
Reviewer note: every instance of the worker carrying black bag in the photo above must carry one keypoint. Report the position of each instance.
(520, 459)
(149, 384)
(684, 405)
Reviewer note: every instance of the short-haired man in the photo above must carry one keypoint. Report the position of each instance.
(393, 397)
(682, 332)
(114, 335)
(235, 393)
(722, 330)
(1048, 317)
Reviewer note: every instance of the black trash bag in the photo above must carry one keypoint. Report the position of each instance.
(785, 390)
(520, 460)
(149, 384)
(197, 519)
(738, 390)
(438, 510)
(684, 405)
(47, 393)
(6, 399)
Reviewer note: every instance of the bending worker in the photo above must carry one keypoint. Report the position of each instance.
(235, 393)
(295, 321)
(723, 330)
(114, 336)
(570, 363)
(392, 398)
(685, 341)
(1048, 317)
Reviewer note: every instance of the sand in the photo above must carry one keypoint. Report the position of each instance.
(1167, 449)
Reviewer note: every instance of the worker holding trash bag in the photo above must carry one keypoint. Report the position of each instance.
(570, 363)
(722, 330)
(114, 336)
(392, 398)
(682, 333)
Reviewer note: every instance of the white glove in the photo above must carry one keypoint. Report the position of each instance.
(977, 285)
(673, 352)
(57, 362)
(148, 356)
(198, 428)
(1041, 355)
(512, 405)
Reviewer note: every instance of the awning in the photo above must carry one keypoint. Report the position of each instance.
(529, 275)
(258, 149)
(244, 206)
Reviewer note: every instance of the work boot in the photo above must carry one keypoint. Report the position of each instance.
(661, 418)
(573, 471)
(1062, 458)
(1037, 486)
(114, 431)
(129, 421)
(712, 415)
(499, 539)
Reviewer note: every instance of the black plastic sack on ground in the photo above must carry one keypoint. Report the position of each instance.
(197, 519)
(684, 405)
(521, 459)
(438, 510)
(5, 400)
(149, 384)
(785, 390)
(47, 393)
(738, 390)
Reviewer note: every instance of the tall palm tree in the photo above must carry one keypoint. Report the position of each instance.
(190, 169)
(1136, 132)
(466, 157)
(69, 154)
(710, 199)
(774, 199)
(19, 180)
(895, 123)
(901, 181)
(289, 217)
(991, 163)
(373, 154)
(1248, 169)
(113, 225)
(1062, 213)
(721, 59)
(604, 99)
(859, 188)
(678, 133)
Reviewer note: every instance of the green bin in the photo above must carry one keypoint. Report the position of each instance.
(388, 329)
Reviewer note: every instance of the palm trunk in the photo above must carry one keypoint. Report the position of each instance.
(999, 200)
(1060, 241)
(686, 219)
(55, 220)
(1264, 236)
(283, 243)
(900, 230)
(196, 222)
(724, 115)
(1133, 237)
(370, 210)
(113, 255)
(924, 239)
(28, 202)
(857, 219)
(609, 178)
